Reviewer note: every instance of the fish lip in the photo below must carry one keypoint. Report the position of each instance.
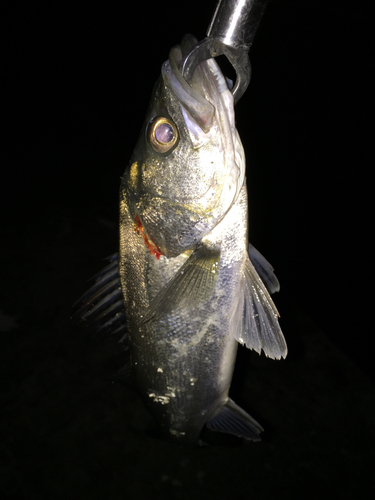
(150, 245)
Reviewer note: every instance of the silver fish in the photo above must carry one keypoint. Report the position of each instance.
(190, 291)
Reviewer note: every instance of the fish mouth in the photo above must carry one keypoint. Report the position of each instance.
(150, 245)
(192, 100)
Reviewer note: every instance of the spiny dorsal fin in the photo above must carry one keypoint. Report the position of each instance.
(103, 303)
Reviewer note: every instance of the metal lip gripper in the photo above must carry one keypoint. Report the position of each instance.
(231, 32)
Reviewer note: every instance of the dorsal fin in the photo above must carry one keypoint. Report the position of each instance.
(103, 305)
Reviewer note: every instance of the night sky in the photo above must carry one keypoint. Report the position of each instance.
(77, 81)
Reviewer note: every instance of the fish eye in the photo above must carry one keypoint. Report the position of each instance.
(162, 134)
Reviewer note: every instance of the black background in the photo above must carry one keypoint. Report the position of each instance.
(76, 85)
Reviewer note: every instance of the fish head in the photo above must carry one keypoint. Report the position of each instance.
(188, 165)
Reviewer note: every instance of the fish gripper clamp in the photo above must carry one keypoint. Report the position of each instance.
(231, 32)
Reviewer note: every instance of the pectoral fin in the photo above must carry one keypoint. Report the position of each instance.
(234, 420)
(193, 284)
(256, 317)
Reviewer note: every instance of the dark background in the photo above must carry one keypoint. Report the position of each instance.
(77, 80)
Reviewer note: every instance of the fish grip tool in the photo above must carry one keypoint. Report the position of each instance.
(230, 33)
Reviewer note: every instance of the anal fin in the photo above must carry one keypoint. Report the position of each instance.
(232, 419)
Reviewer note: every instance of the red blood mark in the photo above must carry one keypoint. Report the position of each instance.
(152, 248)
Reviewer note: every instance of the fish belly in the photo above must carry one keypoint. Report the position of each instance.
(182, 361)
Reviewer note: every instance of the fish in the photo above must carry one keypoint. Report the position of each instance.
(186, 287)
